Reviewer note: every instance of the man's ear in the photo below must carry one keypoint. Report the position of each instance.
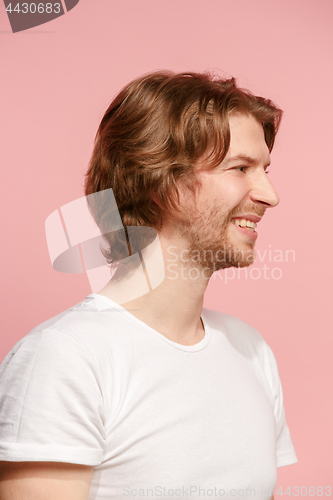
(157, 201)
(164, 213)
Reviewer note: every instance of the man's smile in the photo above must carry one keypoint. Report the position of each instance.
(247, 224)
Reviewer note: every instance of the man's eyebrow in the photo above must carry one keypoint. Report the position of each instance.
(242, 157)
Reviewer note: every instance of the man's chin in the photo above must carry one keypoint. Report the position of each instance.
(244, 263)
(226, 265)
(236, 257)
(249, 258)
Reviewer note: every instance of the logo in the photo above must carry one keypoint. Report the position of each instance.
(25, 15)
(75, 245)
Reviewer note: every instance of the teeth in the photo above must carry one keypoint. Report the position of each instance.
(245, 223)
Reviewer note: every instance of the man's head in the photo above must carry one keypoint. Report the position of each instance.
(158, 136)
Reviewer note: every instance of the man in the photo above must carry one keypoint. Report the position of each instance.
(154, 396)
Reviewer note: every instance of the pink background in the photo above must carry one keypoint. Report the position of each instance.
(57, 80)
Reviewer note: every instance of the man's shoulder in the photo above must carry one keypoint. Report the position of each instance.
(76, 333)
(75, 322)
(247, 341)
(217, 319)
(60, 321)
(81, 316)
(92, 324)
(235, 329)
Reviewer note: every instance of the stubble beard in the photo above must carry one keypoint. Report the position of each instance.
(209, 244)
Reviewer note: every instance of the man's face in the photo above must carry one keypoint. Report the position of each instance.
(238, 191)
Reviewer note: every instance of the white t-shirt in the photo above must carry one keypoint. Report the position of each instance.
(157, 419)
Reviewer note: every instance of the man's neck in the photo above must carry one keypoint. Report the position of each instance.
(174, 307)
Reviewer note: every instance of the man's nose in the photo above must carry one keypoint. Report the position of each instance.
(263, 191)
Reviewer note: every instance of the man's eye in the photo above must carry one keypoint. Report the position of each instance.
(241, 169)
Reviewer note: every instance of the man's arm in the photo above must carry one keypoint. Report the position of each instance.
(41, 480)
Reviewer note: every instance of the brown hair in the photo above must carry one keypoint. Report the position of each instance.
(153, 134)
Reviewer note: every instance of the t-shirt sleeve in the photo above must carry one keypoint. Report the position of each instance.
(51, 404)
(285, 452)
